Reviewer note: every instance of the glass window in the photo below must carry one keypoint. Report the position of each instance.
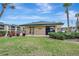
(52, 30)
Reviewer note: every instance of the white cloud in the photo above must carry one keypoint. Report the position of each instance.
(25, 17)
(62, 15)
(41, 8)
(72, 14)
(22, 8)
(19, 7)
(44, 7)
(11, 17)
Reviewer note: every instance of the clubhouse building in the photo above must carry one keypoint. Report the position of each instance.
(41, 28)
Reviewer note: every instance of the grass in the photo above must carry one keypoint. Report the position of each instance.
(37, 46)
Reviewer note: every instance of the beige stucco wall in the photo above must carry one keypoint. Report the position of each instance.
(27, 30)
(57, 28)
(40, 30)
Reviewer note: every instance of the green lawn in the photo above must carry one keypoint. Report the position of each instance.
(37, 46)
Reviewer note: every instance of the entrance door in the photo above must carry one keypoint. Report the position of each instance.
(32, 30)
(47, 30)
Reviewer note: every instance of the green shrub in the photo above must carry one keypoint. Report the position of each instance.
(72, 35)
(2, 33)
(64, 35)
(77, 35)
(57, 35)
(69, 35)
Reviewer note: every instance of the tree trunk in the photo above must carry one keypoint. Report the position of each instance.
(2, 12)
(67, 12)
(3, 9)
(77, 24)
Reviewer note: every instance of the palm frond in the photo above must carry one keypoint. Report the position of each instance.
(4, 6)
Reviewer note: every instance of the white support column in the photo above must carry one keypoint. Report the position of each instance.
(6, 28)
(15, 30)
(21, 30)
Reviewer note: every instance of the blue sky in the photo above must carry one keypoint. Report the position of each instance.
(33, 12)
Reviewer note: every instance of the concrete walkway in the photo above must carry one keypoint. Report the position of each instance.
(39, 35)
(72, 40)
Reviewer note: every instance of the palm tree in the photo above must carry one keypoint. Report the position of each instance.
(77, 21)
(4, 6)
(66, 5)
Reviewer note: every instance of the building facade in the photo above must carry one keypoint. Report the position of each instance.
(40, 28)
(35, 28)
(9, 28)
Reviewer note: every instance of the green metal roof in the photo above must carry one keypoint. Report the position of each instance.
(42, 23)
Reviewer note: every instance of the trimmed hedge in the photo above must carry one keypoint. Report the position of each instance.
(56, 35)
(63, 35)
(76, 35)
